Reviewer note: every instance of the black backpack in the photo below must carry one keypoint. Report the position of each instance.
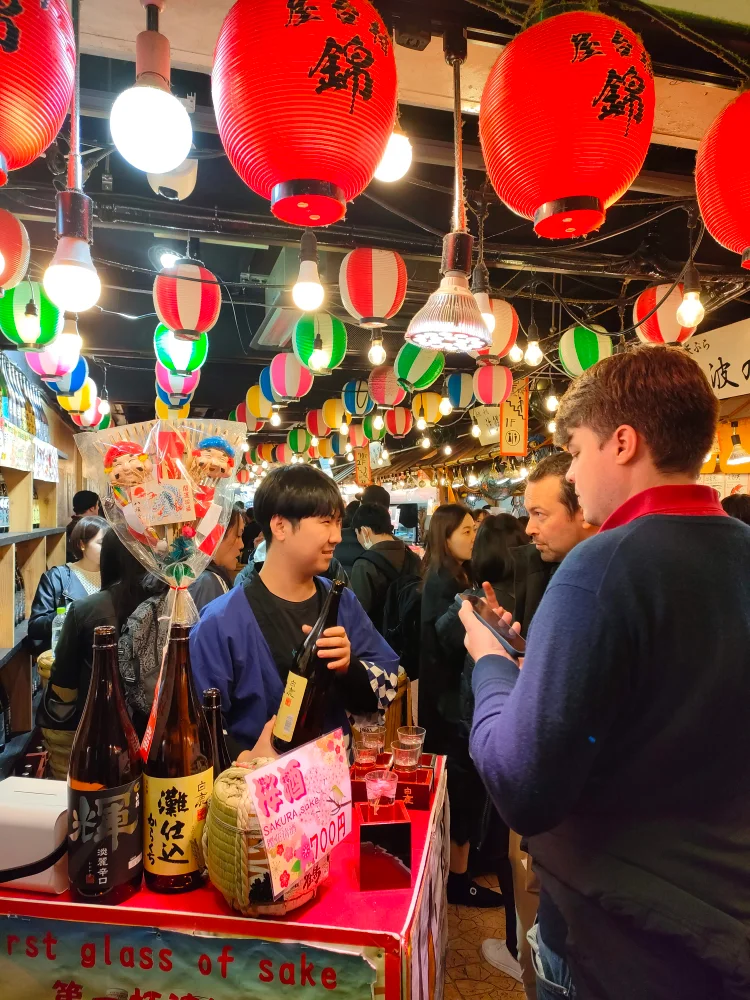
(402, 608)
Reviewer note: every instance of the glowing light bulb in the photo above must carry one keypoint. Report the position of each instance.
(384, 453)
(443, 481)
(151, 129)
(264, 464)
(30, 321)
(425, 442)
(294, 460)
(275, 419)
(515, 354)
(168, 258)
(552, 403)
(71, 280)
(421, 424)
(314, 442)
(318, 356)
(447, 450)
(104, 407)
(533, 355)
(485, 308)
(245, 446)
(377, 354)
(348, 447)
(380, 461)
(256, 469)
(396, 158)
(377, 422)
(707, 457)
(552, 426)
(308, 292)
(690, 312)
(523, 472)
(344, 428)
(472, 480)
(475, 430)
(445, 407)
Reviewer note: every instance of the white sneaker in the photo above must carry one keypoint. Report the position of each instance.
(496, 953)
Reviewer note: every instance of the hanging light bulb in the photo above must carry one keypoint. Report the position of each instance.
(308, 292)
(30, 321)
(447, 450)
(380, 461)
(738, 455)
(445, 406)
(480, 287)
(552, 426)
(533, 355)
(385, 454)
(348, 448)
(104, 407)
(523, 472)
(475, 430)
(377, 422)
(515, 354)
(552, 402)
(318, 356)
(376, 354)
(344, 428)
(245, 446)
(256, 469)
(293, 460)
(150, 126)
(425, 442)
(396, 159)
(690, 312)
(264, 464)
(472, 479)
(421, 422)
(275, 418)
(314, 442)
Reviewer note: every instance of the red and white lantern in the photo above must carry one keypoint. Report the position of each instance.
(384, 388)
(398, 421)
(305, 100)
(503, 336)
(282, 454)
(316, 424)
(187, 299)
(254, 425)
(15, 250)
(289, 378)
(372, 285)
(662, 326)
(493, 384)
(357, 437)
(243, 475)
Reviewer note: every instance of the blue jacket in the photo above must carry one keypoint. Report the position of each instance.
(228, 651)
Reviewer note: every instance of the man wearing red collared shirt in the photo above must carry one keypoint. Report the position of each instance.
(622, 749)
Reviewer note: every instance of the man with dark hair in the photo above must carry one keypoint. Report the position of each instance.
(737, 505)
(348, 550)
(622, 749)
(376, 494)
(245, 641)
(85, 502)
(383, 560)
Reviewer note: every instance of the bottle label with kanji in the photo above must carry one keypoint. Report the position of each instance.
(175, 811)
(291, 703)
(105, 847)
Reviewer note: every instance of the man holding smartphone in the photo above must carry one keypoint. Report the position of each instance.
(622, 748)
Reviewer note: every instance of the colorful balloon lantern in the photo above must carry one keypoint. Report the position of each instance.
(565, 170)
(187, 299)
(398, 421)
(253, 424)
(81, 400)
(240, 412)
(299, 440)
(176, 385)
(96, 417)
(662, 326)
(372, 285)
(316, 425)
(460, 388)
(317, 143)
(282, 454)
(179, 356)
(71, 382)
(417, 367)
(36, 83)
(257, 404)
(371, 432)
(493, 384)
(15, 249)
(581, 347)
(243, 475)
(722, 179)
(357, 436)
(427, 405)
(59, 358)
(313, 451)
(28, 318)
(265, 451)
(356, 398)
(325, 448)
(264, 381)
(503, 336)
(338, 443)
(170, 399)
(165, 412)
(384, 387)
(290, 379)
(333, 413)
(319, 342)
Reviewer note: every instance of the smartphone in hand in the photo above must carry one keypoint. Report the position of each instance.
(508, 638)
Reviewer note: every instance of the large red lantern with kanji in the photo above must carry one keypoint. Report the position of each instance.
(37, 64)
(305, 100)
(722, 178)
(187, 299)
(565, 120)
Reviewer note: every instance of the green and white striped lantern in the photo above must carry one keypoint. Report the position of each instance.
(372, 433)
(299, 440)
(179, 356)
(417, 367)
(28, 318)
(581, 347)
(319, 341)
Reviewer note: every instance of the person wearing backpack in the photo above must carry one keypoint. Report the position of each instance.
(384, 561)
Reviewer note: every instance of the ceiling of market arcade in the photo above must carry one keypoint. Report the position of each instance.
(698, 65)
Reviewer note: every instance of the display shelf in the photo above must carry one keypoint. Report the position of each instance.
(19, 634)
(17, 745)
(14, 537)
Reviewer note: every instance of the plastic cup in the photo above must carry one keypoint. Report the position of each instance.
(411, 734)
(381, 789)
(406, 755)
(365, 758)
(373, 736)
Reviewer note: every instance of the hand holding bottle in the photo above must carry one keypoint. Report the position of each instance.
(263, 747)
(334, 645)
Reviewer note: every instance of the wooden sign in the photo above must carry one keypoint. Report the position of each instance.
(362, 470)
(514, 421)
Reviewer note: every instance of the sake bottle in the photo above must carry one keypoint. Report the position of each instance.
(212, 708)
(301, 714)
(178, 777)
(105, 839)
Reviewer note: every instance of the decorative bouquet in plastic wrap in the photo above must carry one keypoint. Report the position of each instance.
(167, 489)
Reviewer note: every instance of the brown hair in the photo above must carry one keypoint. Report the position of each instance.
(496, 536)
(659, 391)
(557, 465)
(445, 520)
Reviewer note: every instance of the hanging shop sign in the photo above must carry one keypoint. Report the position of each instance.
(487, 419)
(724, 355)
(726, 484)
(514, 421)
(362, 467)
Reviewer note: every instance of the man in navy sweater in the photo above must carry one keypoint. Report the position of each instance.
(622, 747)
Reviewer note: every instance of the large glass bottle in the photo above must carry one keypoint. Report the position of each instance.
(105, 840)
(212, 708)
(301, 714)
(178, 777)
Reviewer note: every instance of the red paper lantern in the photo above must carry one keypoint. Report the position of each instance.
(493, 384)
(398, 421)
(662, 327)
(372, 285)
(722, 178)
(37, 65)
(316, 424)
(305, 100)
(384, 387)
(243, 475)
(503, 336)
(14, 250)
(187, 299)
(565, 120)
(357, 436)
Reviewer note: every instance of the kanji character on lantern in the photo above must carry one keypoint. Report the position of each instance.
(340, 66)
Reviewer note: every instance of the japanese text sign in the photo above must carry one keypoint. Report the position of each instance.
(514, 421)
(362, 470)
(724, 355)
(303, 801)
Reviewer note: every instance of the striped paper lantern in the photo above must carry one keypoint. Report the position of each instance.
(313, 452)
(372, 285)
(356, 398)
(325, 448)
(15, 250)
(71, 382)
(493, 384)
(460, 387)
(171, 399)
(174, 384)
(504, 335)
(662, 327)
(417, 367)
(581, 347)
(398, 421)
(240, 412)
(333, 413)
(384, 387)
(57, 359)
(338, 443)
(282, 454)
(289, 378)
(243, 475)
(179, 356)
(81, 400)
(257, 404)
(330, 334)
(14, 322)
(266, 386)
(371, 432)
(316, 424)
(298, 440)
(164, 412)
(265, 452)
(427, 405)
(187, 299)
(357, 436)
(232, 414)
(253, 456)
(253, 424)
(94, 419)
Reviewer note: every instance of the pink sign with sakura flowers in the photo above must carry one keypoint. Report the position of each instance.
(303, 801)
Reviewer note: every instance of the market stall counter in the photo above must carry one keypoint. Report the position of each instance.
(382, 944)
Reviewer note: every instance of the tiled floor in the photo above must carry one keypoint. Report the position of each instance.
(467, 975)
